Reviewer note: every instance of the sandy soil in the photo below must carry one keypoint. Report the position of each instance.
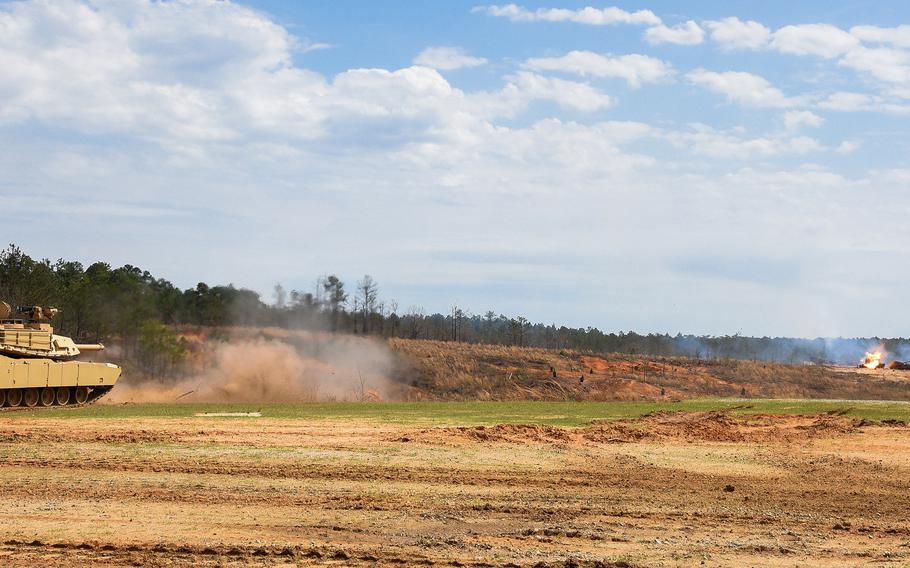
(668, 490)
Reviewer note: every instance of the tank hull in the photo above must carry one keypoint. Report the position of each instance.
(56, 383)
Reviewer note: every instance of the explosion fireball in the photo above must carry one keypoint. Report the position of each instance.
(873, 360)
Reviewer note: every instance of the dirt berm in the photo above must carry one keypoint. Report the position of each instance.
(669, 426)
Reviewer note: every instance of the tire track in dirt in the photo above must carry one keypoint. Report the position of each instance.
(588, 501)
(163, 554)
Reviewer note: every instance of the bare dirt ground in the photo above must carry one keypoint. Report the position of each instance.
(667, 490)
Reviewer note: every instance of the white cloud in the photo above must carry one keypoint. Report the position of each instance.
(191, 121)
(687, 33)
(898, 36)
(741, 87)
(588, 15)
(899, 176)
(707, 141)
(845, 101)
(447, 58)
(568, 94)
(885, 64)
(635, 69)
(899, 92)
(733, 33)
(315, 47)
(847, 147)
(823, 40)
(593, 149)
(862, 102)
(794, 119)
(147, 67)
(230, 79)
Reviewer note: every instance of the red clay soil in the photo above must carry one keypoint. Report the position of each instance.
(659, 426)
(435, 370)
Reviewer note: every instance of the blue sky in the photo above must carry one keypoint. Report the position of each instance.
(707, 167)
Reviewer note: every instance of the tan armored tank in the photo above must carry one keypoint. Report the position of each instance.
(39, 368)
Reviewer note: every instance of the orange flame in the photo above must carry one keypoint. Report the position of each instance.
(872, 360)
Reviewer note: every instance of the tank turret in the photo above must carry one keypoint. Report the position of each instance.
(38, 366)
(31, 335)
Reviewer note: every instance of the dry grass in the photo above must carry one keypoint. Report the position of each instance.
(439, 370)
(461, 371)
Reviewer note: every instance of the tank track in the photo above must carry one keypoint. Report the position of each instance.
(95, 394)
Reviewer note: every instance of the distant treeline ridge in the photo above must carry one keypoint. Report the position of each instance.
(100, 302)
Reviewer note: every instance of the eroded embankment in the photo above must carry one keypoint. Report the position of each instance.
(714, 426)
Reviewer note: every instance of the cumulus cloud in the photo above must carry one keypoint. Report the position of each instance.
(146, 67)
(707, 141)
(194, 121)
(823, 40)
(845, 101)
(741, 87)
(887, 61)
(795, 119)
(447, 58)
(588, 15)
(898, 36)
(687, 33)
(733, 33)
(847, 147)
(635, 69)
(568, 94)
(886, 64)
(185, 75)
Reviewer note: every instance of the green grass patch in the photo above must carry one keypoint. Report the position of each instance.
(477, 413)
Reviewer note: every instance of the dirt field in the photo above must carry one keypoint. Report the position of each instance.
(669, 489)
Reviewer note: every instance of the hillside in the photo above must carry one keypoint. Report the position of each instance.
(458, 371)
(273, 364)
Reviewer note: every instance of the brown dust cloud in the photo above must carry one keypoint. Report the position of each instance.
(272, 366)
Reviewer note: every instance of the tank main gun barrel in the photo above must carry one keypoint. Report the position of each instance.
(90, 347)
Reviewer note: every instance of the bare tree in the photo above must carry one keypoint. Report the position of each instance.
(393, 318)
(415, 318)
(368, 292)
(281, 296)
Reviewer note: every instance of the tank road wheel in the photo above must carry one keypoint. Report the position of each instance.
(47, 396)
(31, 397)
(63, 396)
(2, 397)
(14, 397)
(81, 395)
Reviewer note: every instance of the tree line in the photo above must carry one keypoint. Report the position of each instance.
(142, 312)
